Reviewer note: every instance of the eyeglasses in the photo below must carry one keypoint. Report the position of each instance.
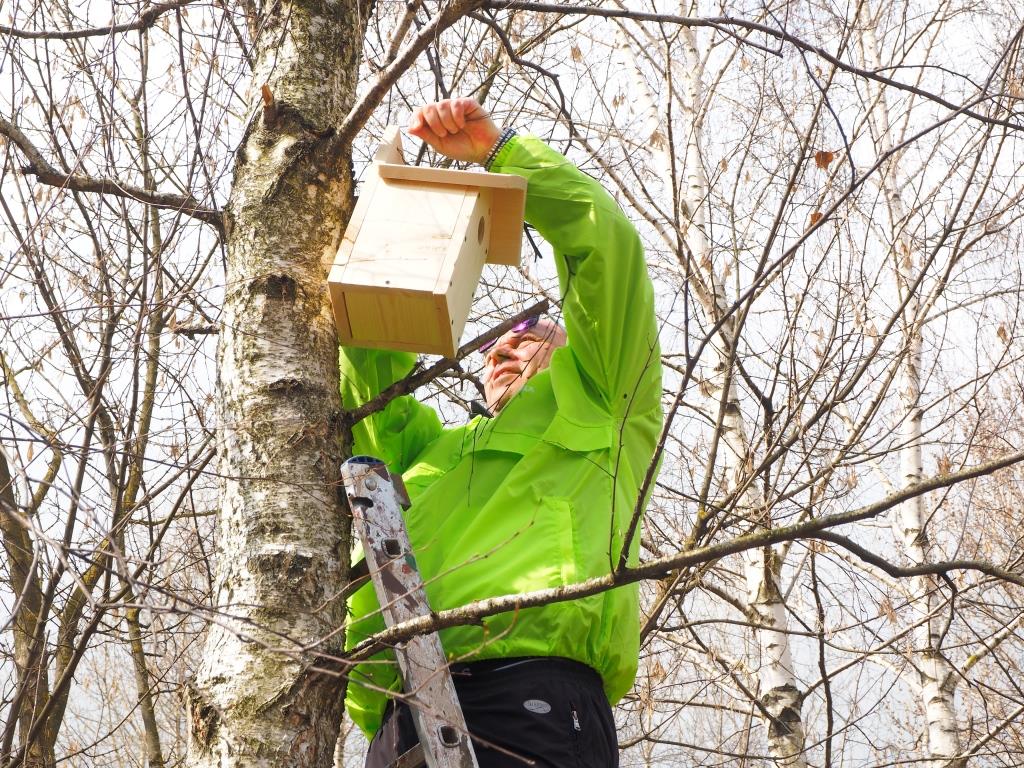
(522, 327)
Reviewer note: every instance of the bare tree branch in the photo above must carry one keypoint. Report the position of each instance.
(145, 20)
(724, 23)
(47, 174)
(371, 98)
(418, 378)
(658, 567)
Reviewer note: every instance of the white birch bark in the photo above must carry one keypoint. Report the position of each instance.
(283, 538)
(779, 695)
(936, 675)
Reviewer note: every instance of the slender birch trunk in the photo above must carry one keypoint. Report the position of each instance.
(157, 321)
(29, 659)
(778, 692)
(283, 538)
(779, 695)
(936, 675)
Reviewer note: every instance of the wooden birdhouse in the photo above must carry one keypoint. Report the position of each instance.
(414, 249)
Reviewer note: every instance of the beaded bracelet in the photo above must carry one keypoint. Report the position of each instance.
(503, 138)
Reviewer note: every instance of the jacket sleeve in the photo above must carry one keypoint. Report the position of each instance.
(607, 297)
(398, 433)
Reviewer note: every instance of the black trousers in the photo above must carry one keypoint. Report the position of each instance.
(542, 712)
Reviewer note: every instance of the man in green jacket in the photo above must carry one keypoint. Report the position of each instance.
(539, 496)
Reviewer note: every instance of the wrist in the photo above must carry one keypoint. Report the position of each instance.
(504, 138)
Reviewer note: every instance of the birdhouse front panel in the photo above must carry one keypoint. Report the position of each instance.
(405, 236)
(411, 321)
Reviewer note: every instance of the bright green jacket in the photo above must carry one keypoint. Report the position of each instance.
(541, 495)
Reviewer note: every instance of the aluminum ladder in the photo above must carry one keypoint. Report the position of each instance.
(377, 498)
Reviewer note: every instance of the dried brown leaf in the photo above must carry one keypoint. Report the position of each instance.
(823, 157)
(886, 608)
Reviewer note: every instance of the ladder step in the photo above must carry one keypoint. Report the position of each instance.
(412, 759)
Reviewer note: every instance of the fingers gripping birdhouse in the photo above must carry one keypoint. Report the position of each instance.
(414, 249)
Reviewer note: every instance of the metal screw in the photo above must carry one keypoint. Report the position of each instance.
(371, 484)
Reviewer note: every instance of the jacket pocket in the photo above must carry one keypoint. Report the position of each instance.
(558, 520)
(580, 437)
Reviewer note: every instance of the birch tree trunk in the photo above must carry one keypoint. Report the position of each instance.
(29, 659)
(936, 675)
(283, 540)
(778, 693)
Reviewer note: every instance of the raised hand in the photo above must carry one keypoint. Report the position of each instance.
(457, 128)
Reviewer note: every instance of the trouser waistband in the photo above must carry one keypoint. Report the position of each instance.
(523, 665)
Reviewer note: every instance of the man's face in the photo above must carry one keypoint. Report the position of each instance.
(516, 357)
